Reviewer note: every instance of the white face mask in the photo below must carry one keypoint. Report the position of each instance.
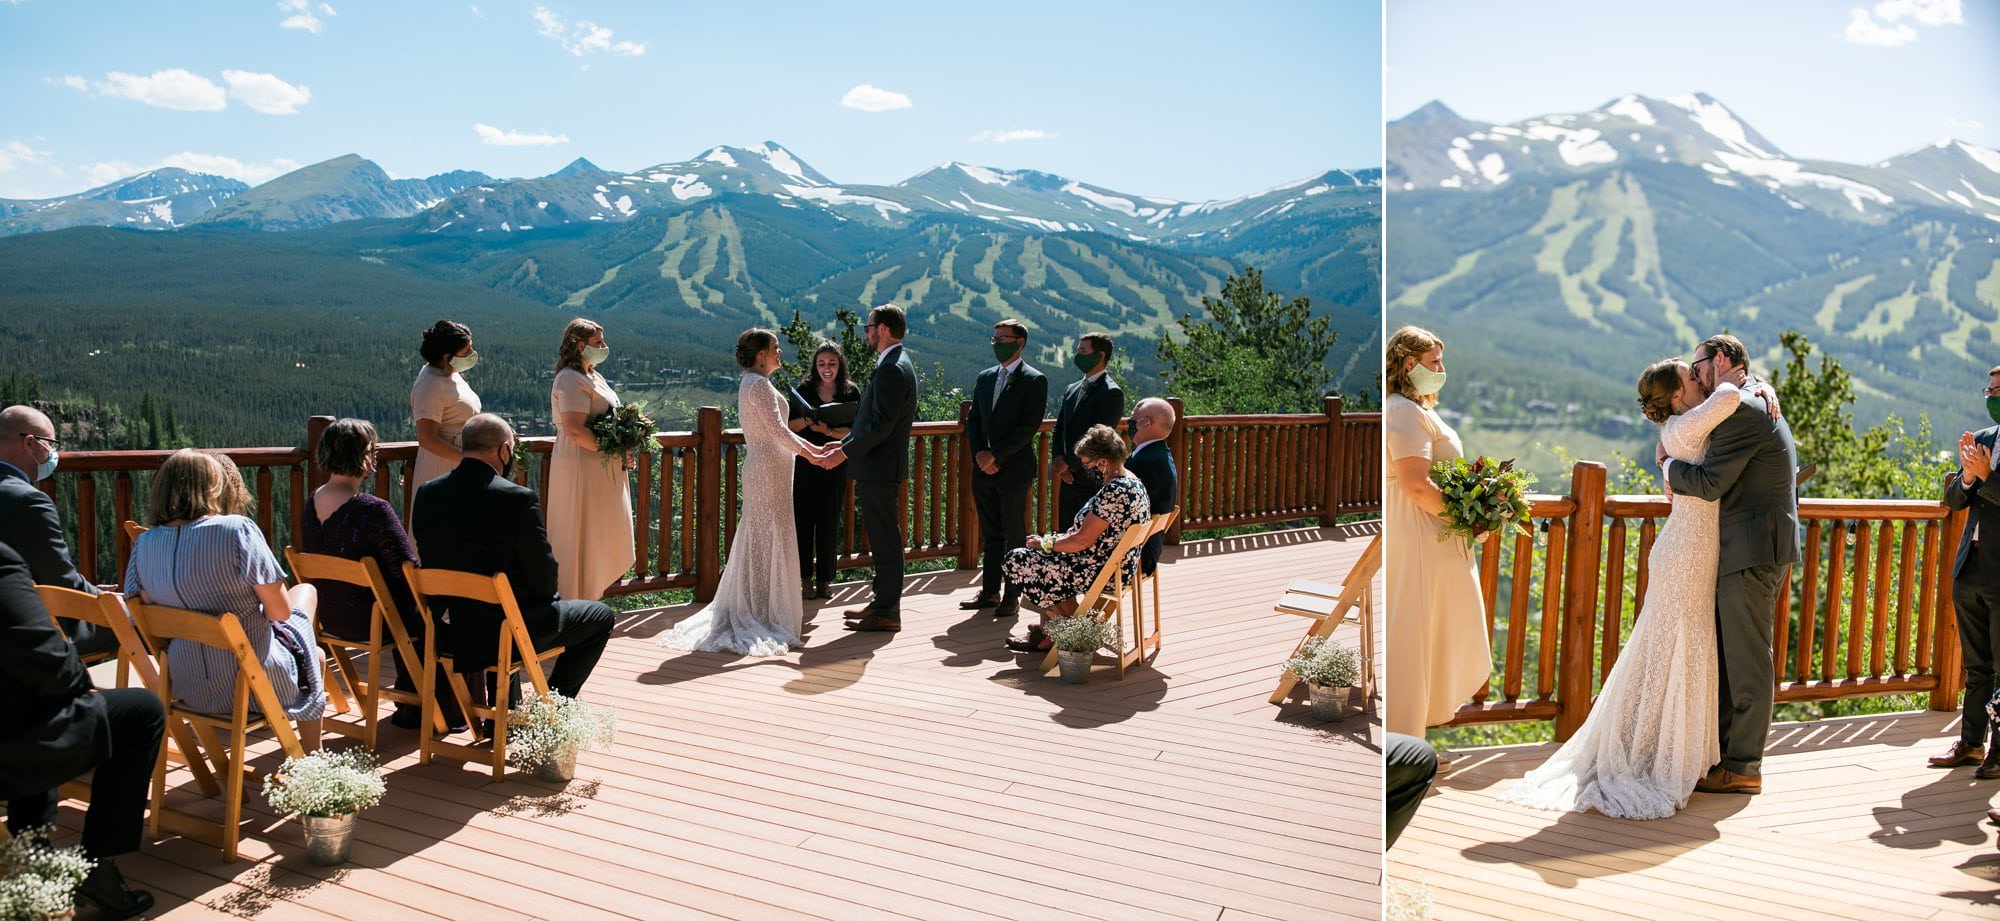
(596, 354)
(1425, 381)
(462, 363)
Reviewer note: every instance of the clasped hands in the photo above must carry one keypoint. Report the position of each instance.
(826, 458)
(1975, 460)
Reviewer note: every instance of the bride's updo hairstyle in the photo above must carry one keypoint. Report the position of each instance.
(1658, 385)
(752, 343)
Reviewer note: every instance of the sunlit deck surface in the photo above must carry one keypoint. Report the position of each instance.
(925, 774)
(1851, 824)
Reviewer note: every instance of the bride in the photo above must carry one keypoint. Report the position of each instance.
(1652, 733)
(757, 609)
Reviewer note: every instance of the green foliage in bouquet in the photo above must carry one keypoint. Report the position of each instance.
(326, 783)
(1482, 495)
(540, 731)
(1323, 663)
(623, 433)
(1077, 634)
(39, 881)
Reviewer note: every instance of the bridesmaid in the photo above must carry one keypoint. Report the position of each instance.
(817, 492)
(441, 400)
(589, 505)
(1439, 653)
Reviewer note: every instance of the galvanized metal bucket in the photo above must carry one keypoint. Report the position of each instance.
(1332, 702)
(328, 838)
(560, 769)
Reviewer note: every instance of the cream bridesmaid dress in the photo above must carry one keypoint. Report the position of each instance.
(589, 508)
(1439, 653)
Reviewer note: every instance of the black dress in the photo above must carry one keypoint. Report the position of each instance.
(817, 493)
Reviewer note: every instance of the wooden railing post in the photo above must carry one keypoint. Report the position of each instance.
(968, 512)
(1574, 673)
(315, 428)
(708, 517)
(1177, 446)
(1945, 658)
(1336, 445)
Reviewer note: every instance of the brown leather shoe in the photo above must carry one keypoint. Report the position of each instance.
(1724, 781)
(1993, 816)
(1037, 640)
(1989, 766)
(979, 603)
(1007, 609)
(864, 611)
(1961, 753)
(877, 623)
(822, 591)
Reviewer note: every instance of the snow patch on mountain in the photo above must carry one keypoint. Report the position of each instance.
(1791, 173)
(1714, 118)
(1630, 107)
(1986, 158)
(1110, 202)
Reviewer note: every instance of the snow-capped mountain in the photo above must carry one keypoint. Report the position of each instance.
(160, 199)
(341, 189)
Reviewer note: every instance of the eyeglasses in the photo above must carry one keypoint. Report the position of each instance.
(1697, 362)
(53, 444)
(1993, 391)
(1000, 341)
(868, 326)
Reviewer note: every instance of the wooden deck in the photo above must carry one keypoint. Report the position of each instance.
(1851, 824)
(874, 776)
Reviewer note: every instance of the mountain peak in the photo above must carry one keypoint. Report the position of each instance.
(1432, 112)
(578, 167)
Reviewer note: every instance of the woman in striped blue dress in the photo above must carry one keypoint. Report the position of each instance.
(202, 554)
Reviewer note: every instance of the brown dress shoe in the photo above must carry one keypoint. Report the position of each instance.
(822, 591)
(1007, 609)
(1989, 766)
(979, 603)
(1993, 816)
(1724, 781)
(1960, 753)
(877, 623)
(866, 610)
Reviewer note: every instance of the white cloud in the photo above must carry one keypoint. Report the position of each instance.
(302, 17)
(494, 137)
(172, 88)
(327, 10)
(16, 154)
(97, 174)
(582, 38)
(1893, 23)
(476, 12)
(216, 164)
(871, 98)
(1963, 124)
(1017, 134)
(265, 92)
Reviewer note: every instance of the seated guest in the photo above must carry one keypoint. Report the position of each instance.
(475, 520)
(1409, 765)
(1050, 573)
(28, 520)
(1152, 461)
(54, 727)
(348, 522)
(202, 554)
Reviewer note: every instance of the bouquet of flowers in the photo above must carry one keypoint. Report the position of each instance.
(326, 783)
(540, 730)
(1482, 495)
(623, 433)
(39, 881)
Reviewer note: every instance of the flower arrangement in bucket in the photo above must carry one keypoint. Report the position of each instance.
(1330, 671)
(1076, 640)
(623, 433)
(39, 881)
(546, 734)
(327, 789)
(1481, 495)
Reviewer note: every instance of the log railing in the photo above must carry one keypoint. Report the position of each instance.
(1867, 611)
(1235, 471)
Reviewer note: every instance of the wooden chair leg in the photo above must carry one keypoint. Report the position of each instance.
(232, 808)
(371, 697)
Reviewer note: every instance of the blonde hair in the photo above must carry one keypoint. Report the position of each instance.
(1407, 343)
(578, 332)
(194, 484)
(1658, 385)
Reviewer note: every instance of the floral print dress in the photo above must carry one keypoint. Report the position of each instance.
(1047, 578)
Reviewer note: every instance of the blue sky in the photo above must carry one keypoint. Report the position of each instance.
(1189, 100)
(1847, 81)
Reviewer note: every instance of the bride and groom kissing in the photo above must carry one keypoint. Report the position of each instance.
(758, 609)
(1688, 704)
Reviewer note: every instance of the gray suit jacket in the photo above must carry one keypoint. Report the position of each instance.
(1984, 520)
(878, 444)
(1751, 468)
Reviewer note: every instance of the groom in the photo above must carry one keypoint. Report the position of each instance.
(1750, 469)
(878, 449)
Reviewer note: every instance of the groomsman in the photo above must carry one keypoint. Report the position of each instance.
(1095, 400)
(28, 519)
(1976, 593)
(877, 450)
(1007, 406)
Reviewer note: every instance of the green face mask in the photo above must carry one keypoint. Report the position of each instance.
(596, 354)
(1087, 362)
(1993, 408)
(1004, 352)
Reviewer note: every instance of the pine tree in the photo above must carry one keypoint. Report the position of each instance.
(1255, 353)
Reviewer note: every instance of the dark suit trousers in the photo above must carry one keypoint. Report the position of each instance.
(1003, 525)
(119, 787)
(1979, 641)
(877, 504)
(1743, 605)
(816, 498)
(582, 629)
(1409, 766)
(1070, 498)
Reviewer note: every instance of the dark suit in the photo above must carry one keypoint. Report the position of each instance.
(1976, 593)
(1084, 404)
(878, 458)
(1154, 466)
(1409, 765)
(474, 520)
(30, 525)
(1006, 426)
(54, 726)
(1751, 470)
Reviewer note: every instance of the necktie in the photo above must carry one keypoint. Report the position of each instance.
(999, 385)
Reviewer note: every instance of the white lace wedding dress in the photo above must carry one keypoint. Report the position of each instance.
(757, 608)
(1652, 733)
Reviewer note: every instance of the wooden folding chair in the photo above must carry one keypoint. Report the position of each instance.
(107, 611)
(368, 691)
(1141, 580)
(159, 625)
(494, 590)
(1105, 601)
(1356, 601)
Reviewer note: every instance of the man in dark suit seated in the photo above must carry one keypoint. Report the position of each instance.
(54, 726)
(1007, 406)
(28, 520)
(1094, 400)
(1975, 592)
(1152, 461)
(475, 520)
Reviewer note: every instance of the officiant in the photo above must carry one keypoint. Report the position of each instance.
(822, 408)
